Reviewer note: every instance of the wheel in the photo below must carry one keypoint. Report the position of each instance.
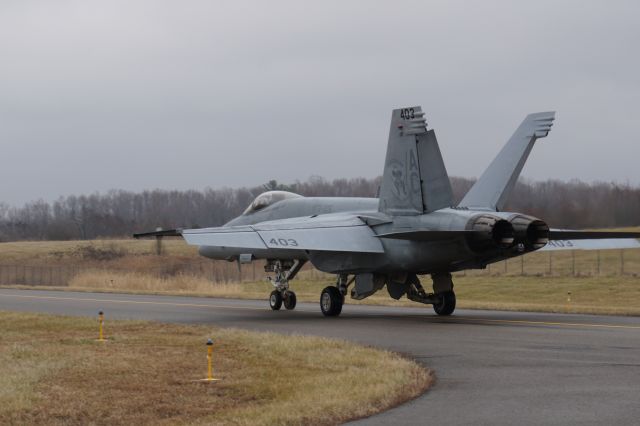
(290, 300)
(331, 301)
(446, 303)
(275, 300)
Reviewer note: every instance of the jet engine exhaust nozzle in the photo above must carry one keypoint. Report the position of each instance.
(491, 233)
(531, 232)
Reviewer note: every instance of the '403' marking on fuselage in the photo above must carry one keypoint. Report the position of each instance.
(283, 242)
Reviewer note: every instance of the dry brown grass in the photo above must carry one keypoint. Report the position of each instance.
(53, 372)
(595, 295)
(135, 281)
(22, 251)
(603, 290)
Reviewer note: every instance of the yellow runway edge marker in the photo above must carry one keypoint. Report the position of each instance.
(101, 333)
(209, 363)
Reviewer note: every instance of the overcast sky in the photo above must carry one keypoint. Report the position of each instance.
(138, 95)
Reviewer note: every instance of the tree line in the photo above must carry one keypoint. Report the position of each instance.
(118, 213)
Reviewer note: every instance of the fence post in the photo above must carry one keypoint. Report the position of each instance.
(550, 263)
(598, 262)
(521, 266)
(573, 262)
(505, 266)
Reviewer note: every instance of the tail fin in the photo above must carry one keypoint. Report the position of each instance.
(415, 180)
(495, 184)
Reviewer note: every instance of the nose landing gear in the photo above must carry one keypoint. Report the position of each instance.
(284, 271)
(275, 300)
(286, 298)
(290, 300)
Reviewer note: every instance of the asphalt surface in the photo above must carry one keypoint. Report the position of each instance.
(491, 367)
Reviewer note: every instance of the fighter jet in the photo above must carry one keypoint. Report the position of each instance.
(411, 229)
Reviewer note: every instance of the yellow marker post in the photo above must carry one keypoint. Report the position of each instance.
(209, 363)
(101, 332)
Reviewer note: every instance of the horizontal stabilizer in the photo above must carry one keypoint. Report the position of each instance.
(562, 234)
(595, 244)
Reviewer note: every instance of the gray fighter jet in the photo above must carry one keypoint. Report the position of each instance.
(413, 228)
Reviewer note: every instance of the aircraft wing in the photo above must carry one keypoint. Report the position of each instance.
(564, 239)
(341, 233)
(177, 232)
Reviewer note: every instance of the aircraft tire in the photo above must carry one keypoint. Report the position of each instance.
(331, 301)
(446, 304)
(290, 300)
(275, 300)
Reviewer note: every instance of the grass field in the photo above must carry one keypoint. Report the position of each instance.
(605, 282)
(52, 371)
(50, 251)
(591, 295)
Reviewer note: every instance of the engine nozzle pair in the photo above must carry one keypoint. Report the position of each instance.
(492, 232)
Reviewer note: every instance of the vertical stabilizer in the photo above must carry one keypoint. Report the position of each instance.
(415, 180)
(494, 186)
(436, 186)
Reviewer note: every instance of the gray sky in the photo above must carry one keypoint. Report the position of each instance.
(189, 94)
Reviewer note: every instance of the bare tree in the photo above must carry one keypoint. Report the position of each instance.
(119, 213)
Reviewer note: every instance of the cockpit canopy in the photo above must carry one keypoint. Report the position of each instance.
(268, 198)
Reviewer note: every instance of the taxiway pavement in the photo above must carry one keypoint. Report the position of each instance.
(491, 367)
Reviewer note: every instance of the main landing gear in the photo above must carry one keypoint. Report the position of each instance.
(332, 297)
(284, 271)
(443, 298)
(446, 303)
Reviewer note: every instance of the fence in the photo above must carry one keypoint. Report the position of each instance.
(561, 264)
(214, 271)
(575, 263)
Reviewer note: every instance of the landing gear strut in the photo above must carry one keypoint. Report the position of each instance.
(284, 271)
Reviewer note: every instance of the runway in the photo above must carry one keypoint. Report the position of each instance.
(491, 367)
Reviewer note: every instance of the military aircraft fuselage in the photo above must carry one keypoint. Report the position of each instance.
(454, 251)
